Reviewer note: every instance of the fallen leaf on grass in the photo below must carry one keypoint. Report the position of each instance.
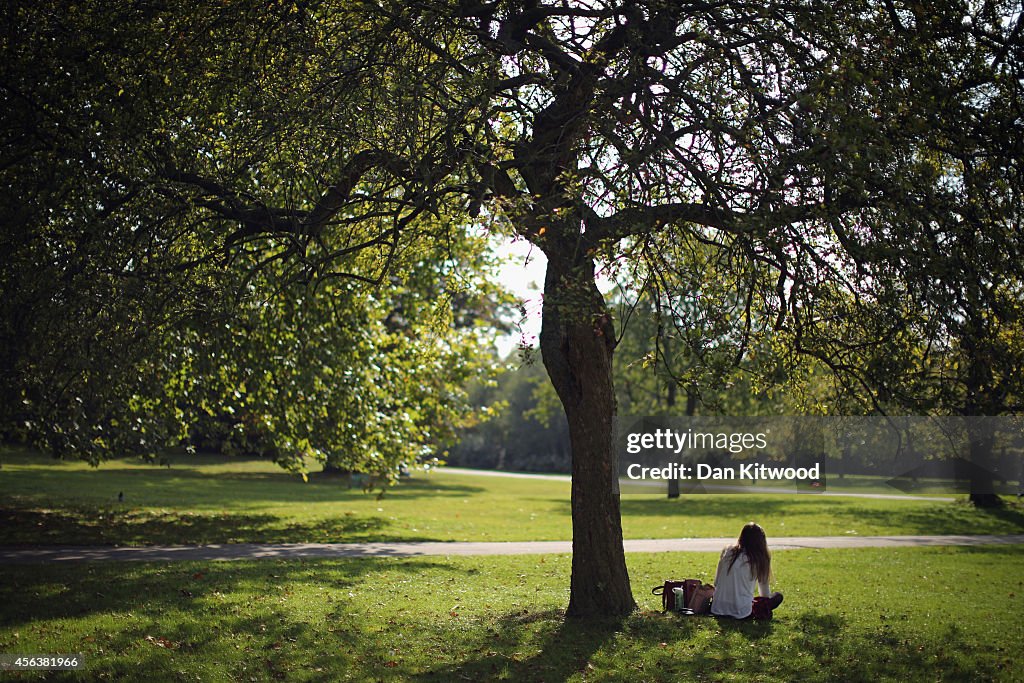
(160, 641)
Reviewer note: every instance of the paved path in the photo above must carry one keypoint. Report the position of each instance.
(708, 488)
(251, 551)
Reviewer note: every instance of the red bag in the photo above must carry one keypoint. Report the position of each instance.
(700, 600)
(668, 598)
(689, 586)
(762, 608)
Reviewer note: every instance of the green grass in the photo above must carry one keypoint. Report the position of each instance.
(210, 499)
(856, 483)
(859, 484)
(853, 615)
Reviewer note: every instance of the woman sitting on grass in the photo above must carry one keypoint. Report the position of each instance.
(740, 567)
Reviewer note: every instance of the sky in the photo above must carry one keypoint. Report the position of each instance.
(523, 275)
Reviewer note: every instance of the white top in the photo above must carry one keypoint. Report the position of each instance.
(734, 589)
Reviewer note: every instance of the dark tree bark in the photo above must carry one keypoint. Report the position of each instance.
(691, 410)
(983, 494)
(577, 342)
(981, 475)
(983, 397)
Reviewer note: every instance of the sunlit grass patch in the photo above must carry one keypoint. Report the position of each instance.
(866, 614)
(211, 499)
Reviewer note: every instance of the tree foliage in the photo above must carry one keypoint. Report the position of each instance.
(135, 319)
(929, 318)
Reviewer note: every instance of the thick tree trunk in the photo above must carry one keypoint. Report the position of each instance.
(983, 481)
(982, 399)
(691, 410)
(577, 341)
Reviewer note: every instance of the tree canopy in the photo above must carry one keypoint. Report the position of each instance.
(133, 320)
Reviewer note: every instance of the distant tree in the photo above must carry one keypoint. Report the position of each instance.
(522, 433)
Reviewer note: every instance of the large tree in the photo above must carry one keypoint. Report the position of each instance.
(340, 135)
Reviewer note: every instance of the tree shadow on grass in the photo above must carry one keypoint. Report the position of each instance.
(112, 526)
(824, 644)
(544, 646)
(530, 646)
(149, 622)
(654, 647)
(152, 622)
(162, 486)
(949, 518)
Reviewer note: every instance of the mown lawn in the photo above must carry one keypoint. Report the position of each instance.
(852, 615)
(210, 499)
(903, 614)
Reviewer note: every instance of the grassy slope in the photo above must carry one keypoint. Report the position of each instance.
(852, 615)
(210, 499)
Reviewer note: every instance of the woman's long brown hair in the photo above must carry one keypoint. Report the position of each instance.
(754, 543)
